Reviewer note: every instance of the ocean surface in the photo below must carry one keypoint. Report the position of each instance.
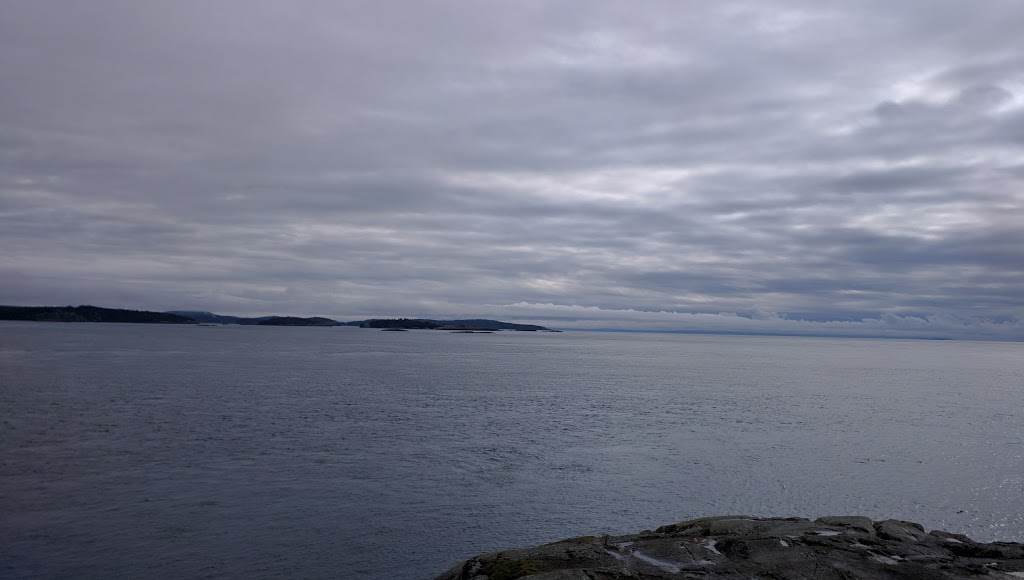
(205, 452)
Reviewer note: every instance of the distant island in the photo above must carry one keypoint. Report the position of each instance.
(204, 317)
(382, 323)
(98, 314)
(463, 324)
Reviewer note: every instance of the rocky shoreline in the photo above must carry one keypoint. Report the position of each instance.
(845, 547)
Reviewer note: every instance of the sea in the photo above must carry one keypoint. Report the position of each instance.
(166, 451)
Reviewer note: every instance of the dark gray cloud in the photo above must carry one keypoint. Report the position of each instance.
(791, 166)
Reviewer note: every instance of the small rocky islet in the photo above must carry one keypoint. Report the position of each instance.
(840, 547)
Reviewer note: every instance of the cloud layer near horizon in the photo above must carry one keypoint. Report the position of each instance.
(797, 166)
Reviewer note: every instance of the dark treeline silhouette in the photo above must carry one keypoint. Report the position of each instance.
(89, 314)
(97, 314)
(426, 323)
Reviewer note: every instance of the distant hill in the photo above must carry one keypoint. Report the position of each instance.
(211, 318)
(461, 324)
(493, 324)
(89, 314)
(97, 314)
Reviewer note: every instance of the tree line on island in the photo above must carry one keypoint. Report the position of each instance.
(89, 314)
(98, 314)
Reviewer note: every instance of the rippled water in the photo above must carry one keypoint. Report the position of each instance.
(147, 450)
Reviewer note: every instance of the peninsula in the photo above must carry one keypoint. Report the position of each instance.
(205, 317)
(461, 324)
(847, 548)
(90, 314)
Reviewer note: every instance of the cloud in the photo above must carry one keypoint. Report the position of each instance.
(826, 164)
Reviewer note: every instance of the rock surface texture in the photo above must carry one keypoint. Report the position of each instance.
(746, 547)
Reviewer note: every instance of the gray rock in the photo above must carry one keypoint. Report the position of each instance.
(847, 547)
(900, 530)
(859, 522)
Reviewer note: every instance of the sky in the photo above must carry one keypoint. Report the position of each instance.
(806, 167)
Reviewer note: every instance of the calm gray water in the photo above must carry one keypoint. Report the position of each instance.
(181, 451)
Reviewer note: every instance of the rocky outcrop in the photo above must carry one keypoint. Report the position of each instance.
(845, 547)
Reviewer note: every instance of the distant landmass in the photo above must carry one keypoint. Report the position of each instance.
(97, 314)
(463, 324)
(396, 323)
(90, 314)
(211, 318)
(204, 317)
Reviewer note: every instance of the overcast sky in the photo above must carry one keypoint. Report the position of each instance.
(851, 167)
